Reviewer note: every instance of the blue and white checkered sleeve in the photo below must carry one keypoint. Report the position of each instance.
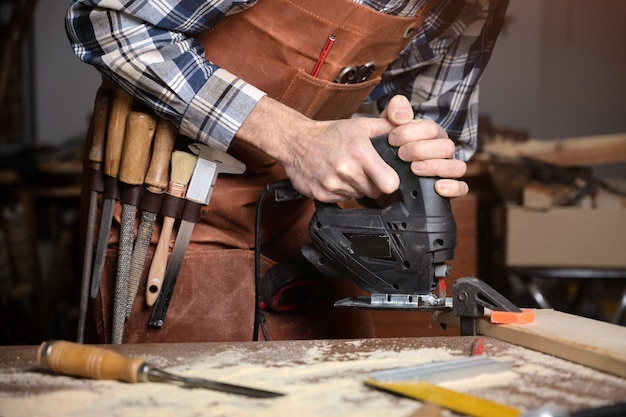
(440, 70)
(147, 48)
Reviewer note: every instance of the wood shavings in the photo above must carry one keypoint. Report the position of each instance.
(320, 378)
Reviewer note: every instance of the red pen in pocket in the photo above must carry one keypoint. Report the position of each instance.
(323, 55)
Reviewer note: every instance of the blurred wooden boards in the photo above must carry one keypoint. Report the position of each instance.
(579, 151)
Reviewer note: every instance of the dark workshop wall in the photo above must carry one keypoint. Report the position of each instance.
(64, 86)
(558, 69)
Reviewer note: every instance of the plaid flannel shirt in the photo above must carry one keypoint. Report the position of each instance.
(147, 47)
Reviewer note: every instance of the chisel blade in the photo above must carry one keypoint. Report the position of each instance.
(157, 375)
(87, 266)
(102, 245)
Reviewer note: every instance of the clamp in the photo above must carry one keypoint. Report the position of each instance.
(470, 296)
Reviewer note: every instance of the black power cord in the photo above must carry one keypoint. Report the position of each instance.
(289, 194)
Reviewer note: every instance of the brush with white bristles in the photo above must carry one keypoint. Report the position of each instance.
(183, 164)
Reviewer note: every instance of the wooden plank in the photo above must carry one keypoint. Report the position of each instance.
(580, 151)
(596, 344)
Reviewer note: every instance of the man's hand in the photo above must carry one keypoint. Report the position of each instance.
(426, 145)
(333, 161)
(329, 161)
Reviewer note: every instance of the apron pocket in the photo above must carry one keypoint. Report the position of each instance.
(325, 100)
(213, 299)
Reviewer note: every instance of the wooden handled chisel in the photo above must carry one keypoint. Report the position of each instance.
(97, 133)
(120, 109)
(156, 183)
(89, 361)
(183, 164)
(133, 167)
(211, 162)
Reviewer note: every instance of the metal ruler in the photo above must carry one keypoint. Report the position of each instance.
(452, 400)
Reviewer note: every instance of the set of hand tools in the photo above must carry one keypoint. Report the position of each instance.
(133, 161)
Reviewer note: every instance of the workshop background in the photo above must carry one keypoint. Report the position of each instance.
(553, 91)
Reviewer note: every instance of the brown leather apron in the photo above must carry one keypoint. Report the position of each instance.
(274, 46)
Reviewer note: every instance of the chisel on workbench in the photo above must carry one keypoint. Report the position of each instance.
(97, 133)
(133, 167)
(183, 164)
(156, 182)
(211, 162)
(98, 363)
(120, 109)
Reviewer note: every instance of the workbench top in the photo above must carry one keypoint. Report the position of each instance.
(320, 378)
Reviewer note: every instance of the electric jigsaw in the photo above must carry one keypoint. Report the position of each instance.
(396, 248)
(397, 251)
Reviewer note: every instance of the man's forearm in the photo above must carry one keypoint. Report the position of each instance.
(271, 126)
(334, 160)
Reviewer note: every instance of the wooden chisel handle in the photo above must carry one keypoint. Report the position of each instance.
(100, 119)
(157, 177)
(137, 148)
(120, 109)
(89, 361)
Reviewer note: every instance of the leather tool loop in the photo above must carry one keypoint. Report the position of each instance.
(96, 180)
(172, 206)
(151, 201)
(191, 212)
(111, 187)
(131, 194)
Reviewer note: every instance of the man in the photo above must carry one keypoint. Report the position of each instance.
(236, 75)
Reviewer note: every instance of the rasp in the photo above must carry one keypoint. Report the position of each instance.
(133, 167)
(211, 162)
(156, 182)
(97, 133)
(99, 363)
(120, 109)
(183, 164)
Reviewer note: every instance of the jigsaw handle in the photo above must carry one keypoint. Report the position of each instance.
(418, 193)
